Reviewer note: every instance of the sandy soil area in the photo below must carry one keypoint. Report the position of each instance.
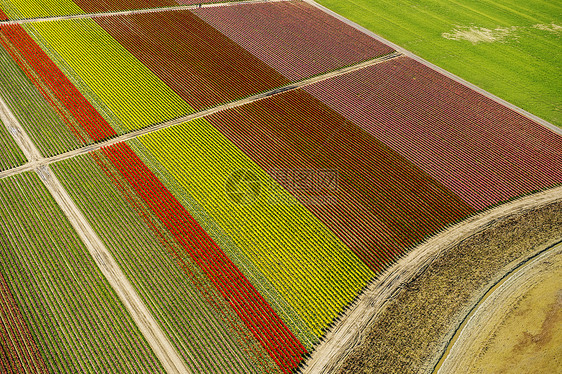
(518, 327)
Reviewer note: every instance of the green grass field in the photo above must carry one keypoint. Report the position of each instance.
(510, 48)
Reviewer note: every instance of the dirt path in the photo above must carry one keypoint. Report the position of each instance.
(351, 329)
(529, 299)
(136, 11)
(166, 353)
(147, 130)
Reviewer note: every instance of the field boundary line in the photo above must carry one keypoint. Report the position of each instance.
(456, 78)
(161, 346)
(349, 332)
(147, 130)
(135, 11)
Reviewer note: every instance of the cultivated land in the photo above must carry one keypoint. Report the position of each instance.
(76, 319)
(179, 144)
(11, 155)
(507, 47)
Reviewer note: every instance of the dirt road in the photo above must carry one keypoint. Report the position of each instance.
(37, 162)
(136, 11)
(516, 327)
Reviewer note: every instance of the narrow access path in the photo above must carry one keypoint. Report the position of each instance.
(352, 327)
(135, 11)
(166, 353)
(35, 163)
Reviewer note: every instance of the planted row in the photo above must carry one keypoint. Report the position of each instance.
(481, 150)
(198, 320)
(307, 264)
(11, 155)
(295, 38)
(74, 316)
(34, 113)
(75, 110)
(380, 206)
(200, 64)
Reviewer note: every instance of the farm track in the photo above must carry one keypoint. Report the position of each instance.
(136, 11)
(350, 331)
(163, 349)
(38, 161)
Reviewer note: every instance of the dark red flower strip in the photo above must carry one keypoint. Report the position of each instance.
(481, 150)
(259, 317)
(295, 38)
(84, 113)
(383, 204)
(200, 64)
(94, 6)
(18, 350)
(3, 16)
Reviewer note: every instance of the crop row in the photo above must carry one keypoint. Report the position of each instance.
(84, 121)
(21, 9)
(200, 64)
(295, 38)
(74, 316)
(479, 149)
(19, 351)
(92, 58)
(381, 206)
(11, 155)
(203, 327)
(44, 126)
(306, 263)
(264, 323)
(111, 75)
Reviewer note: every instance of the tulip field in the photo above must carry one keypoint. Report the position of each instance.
(34, 112)
(11, 155)
(247, 207)
(22, 9)
(54, 296)
(293, 37)
(503, 154)
(110, 75)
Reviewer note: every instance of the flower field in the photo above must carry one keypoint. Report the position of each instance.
(197, 62)
(19, 351)
(74, 317)
(293, 37)
(11, 155)
(295, 131)
(35, 114)
(479, 149)
(245, 230)
(170, 64)
(206, 331)
(22, 9)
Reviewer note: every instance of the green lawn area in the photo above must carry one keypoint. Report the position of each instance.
(520, 61)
